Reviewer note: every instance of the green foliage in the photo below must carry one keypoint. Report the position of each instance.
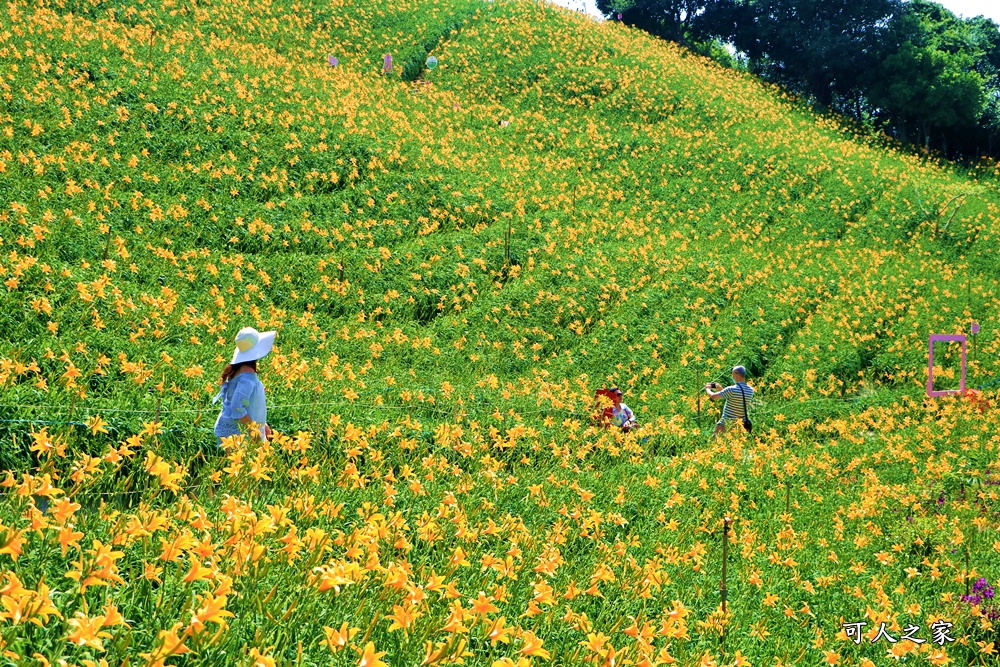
(669, 19)
(930, 81)
(913, 69)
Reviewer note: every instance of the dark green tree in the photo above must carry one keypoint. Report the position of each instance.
(930, 89)
(927, 83)
(668, 19)
(820, 48)
(985, 35)
(910, 67)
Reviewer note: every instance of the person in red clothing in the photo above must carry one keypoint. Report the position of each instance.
(621, 414)
(617, 413)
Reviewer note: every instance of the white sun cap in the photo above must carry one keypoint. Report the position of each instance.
(252, 345)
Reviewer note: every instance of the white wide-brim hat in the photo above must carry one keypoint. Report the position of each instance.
(252, 345)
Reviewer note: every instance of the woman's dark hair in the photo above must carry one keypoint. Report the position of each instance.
(232, 369)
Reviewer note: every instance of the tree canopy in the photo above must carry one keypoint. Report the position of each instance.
(912, 68)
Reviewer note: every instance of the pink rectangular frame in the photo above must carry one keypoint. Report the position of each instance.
(944, 338)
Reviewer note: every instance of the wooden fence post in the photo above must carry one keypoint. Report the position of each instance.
(149, 51)
(723, 589)
(107, 245)
(966, 569)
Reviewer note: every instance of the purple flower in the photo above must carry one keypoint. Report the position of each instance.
(988, 593)
(972, 599)
(980, 584)
(941, 500)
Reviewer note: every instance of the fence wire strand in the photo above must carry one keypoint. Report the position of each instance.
(758, 407)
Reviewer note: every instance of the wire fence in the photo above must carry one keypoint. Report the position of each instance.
(288, 413)
(758, 407)
(314, 415)
(87, 493)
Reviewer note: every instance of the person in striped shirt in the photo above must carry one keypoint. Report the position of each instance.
(738, 398)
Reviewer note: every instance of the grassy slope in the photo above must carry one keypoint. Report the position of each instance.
(668, 219)
(695, 184)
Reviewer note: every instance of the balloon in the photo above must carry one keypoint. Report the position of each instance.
(432, 62)
(333, 61)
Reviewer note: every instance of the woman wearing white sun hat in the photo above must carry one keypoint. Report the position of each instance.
(242, 393)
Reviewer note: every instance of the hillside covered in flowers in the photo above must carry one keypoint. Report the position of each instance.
(455, 259)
